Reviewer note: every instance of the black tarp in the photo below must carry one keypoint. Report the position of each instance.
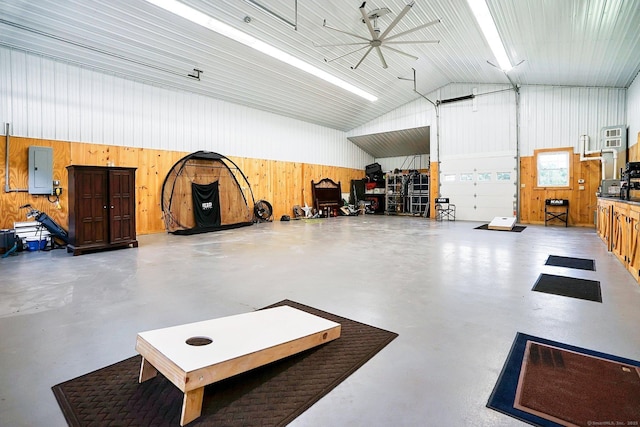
(206, 204)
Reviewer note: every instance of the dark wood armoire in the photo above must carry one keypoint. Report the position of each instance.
(102, 208)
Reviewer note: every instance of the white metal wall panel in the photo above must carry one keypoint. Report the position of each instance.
(552, 117)
(485, 124)
(633, 111)
(417, 113)
(43, 98)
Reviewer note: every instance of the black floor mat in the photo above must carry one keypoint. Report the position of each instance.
(516, 228)
(569, 287)
(569, 262)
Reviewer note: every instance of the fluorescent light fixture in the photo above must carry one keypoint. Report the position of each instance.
(488, 27)
(207, 21)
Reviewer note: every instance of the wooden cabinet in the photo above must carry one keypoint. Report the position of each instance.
(633, 257)
(618, 225)
(620, 232)
(102, 208)
(604, 221)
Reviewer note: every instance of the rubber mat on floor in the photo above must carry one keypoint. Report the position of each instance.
(547, 383)
(569, 287)
(516, 228)
(570, 262)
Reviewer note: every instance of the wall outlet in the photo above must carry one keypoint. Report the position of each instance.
(581, 187)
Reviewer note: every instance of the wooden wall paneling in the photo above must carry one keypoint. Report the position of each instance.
(634, 151)
(284, 180)
(153, 167)
(258, 173)
(10, 203)
(434, 187)
(582, 203)
(283, 184)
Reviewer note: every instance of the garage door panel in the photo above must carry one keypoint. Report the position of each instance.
(486, 196)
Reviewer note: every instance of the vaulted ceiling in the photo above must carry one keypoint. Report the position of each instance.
(562, 42)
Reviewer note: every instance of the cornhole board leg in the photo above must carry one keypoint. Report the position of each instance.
(191, 405)
(236, 344)
(147, 371)
(502, 223)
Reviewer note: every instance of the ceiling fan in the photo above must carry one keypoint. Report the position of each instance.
(378, 40)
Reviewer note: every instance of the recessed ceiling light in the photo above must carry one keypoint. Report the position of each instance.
(221, 28)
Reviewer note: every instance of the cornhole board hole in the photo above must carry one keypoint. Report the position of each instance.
(502, 223)
(194, 355)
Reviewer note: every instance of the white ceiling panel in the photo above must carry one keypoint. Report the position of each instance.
(568, 42)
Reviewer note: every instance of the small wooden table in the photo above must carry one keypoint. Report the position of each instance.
(194, 355)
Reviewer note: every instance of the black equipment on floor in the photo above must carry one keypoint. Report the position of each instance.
(47, 222)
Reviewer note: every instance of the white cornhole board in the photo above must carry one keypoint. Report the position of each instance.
(238, 344)
(502, 223)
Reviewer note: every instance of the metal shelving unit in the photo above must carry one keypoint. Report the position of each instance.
(407, 193)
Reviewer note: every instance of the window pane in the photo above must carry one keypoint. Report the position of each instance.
(484, 176)
(449, 178)
(504, 176)
(553, 169)
(466, 177)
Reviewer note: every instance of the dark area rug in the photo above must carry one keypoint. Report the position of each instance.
(547, 383)
(516, 228)
(569, 262)
(569, 287)
(272, 395)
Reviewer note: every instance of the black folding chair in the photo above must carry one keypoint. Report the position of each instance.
(556, 209)
(445, 209)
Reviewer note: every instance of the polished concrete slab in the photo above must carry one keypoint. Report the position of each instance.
(456, 295)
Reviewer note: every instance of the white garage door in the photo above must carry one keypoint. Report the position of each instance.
(482, 188)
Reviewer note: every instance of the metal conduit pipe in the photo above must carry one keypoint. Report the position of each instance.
(584, 139)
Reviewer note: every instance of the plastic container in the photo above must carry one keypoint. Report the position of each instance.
(33, 244)
(7, 240)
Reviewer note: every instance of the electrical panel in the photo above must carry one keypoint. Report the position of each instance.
(40, 170)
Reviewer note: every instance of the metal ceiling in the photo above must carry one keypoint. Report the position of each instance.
(406, 142)
(568, 42)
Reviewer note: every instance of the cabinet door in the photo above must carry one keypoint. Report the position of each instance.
(122, 206)
(91, 198)
(604, 222)
(633, 258)
(620, 233)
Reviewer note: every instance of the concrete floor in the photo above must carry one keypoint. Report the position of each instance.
(457, 296)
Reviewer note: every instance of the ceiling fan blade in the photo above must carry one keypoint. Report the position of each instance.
(344, 32)
(366, 20)
(384, 63)
(365, 55)
(340, 44)
(342, 56)
(396, 20)
(399, 51)
(419, 27)
(412, 42)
